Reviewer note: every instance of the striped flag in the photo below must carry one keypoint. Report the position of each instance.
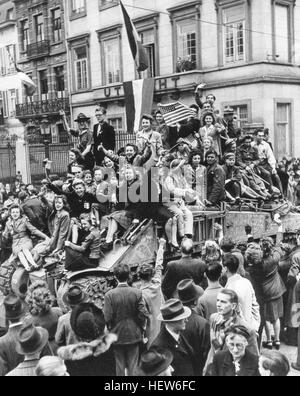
(28, 84)
(138, 100)
(138, 51)
(175, 112)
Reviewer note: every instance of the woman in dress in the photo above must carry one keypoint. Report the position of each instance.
(196, 174)
(212, 129)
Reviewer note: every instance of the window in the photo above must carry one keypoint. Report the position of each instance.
(187, 44)
(24, 35)
(186, 31)
(3, 104)
(78, 8)
(107, 3)
(112, 61)
(81, 67)
(241, 112)
(148, 41)
(43, 76)
(283, 30)
(234, 19)
(7, 60)
(59, 78)
(12, 102)
(283, 129)
(56, 25)
(117, 123)
(39, 28)
(10, 14)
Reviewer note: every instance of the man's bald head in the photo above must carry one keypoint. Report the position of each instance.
(187, 247)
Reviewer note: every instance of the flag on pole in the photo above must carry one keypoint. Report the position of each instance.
(138, 101)
(175, 112)
(27, 82)
(138, 51)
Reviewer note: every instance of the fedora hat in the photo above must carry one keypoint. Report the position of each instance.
(155, 362)
(75, 296)
(14, 307)
(188, 291)
(173, 311)
(82, 118)
(31, 339)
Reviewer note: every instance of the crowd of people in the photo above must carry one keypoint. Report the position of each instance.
(195, 316)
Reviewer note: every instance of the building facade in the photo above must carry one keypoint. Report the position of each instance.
(43, 57)
(246, 51)
(10, 86)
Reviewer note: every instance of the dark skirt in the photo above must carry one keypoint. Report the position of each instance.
(76, 261)
(123, 218)
(274, 310)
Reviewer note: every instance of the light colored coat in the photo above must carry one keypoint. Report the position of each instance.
(247, 300)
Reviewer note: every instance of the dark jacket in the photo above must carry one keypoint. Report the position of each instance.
(183, 363)
(36, 212)
(197, 334)
(78, 205)
(215, 184)
(126, 314)
(232, 172)
(59, 225)
(185, 268)
(11, 359)
(108, 139)
(223, 365)
(95, 359)
(247, 155)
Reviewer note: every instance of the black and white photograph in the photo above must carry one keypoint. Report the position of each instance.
(149, 191)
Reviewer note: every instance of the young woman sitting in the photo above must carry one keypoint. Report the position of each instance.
(19, 228)
(86, 255)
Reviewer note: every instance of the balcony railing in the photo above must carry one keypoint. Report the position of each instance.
(38, 50)
(44, 107)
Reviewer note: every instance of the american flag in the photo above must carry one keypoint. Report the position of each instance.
(175, 112)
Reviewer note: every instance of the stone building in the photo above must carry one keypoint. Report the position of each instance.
(246, 51)
(43, 56)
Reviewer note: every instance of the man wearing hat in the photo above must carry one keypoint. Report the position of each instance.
(197, 332)
(14, 312)
(84, 134)
(148, 135)
(215, 179)
(72, 298)
(31, 341)
(174, 317)
(156, 364)
(103, 135)
(233, 178)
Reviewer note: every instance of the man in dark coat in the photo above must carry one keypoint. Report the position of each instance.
(126, 316)
(197, 331)
(35, 210)
(185, 268)
(103, 134)
(215, 179)
(14, 312)
(171, 338)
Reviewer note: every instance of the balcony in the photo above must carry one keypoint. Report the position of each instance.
(42, 108)
(38, 50)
